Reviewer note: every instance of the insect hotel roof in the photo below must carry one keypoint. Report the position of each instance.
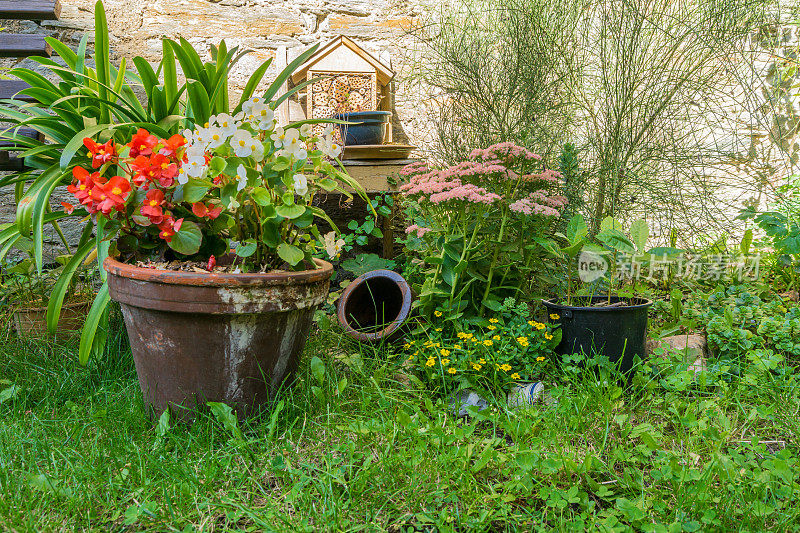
(353, 80)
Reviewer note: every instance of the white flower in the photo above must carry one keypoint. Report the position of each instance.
(329, 148)
(227, 124)
(306, 130)
(327, 131)
(258, 149)
(247, 107)
(195, 167)
(263, 117)
(182, 178)
(242, 143)
(196, 150)
(189, 135)
(216, 137)
(332, 246)
(293, 146)
(278, 137)
(300, 184)
(241, 177)
(202, 137)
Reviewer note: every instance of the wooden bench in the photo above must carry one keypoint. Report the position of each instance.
(22, 46)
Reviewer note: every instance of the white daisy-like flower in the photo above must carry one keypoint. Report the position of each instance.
(293, 146)
(278, 137)
(263, 117)
(306, 130)
(329, 147)
(242, 143)
(258, 149)
(195, 167)
(247, 107)
(196, 150)
(183, 177)
(300, 184)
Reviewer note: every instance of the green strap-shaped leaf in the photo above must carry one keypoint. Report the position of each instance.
(62, 285)
(102, 57)
(93, 320)
(288, 71)
(40, 207)
(252, 83)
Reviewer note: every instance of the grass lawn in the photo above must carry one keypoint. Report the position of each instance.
(367, 449)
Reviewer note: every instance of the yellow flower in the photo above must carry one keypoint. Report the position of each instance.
(444, 352)
(476, 366)
(496, 366)
(461, 335)
(438, 329)
(482, 361)
(436, 345)
(428, 344)
(412, 343)
(539, 326)
(437, 313)
(445, 362)
(410, 357)
(540, 359)
(491, 328)
(548, 336)
(514, 376)
(522, 340)
(554, 316)
(457, 346)
(531, 323)
(493, 320)
(505, 367)
(487, 342)
(451, 370)
(496, 338)
(430, 362)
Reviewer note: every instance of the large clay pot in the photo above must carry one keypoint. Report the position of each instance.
(232, 338)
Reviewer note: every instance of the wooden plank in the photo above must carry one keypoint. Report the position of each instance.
(10, 88)
(23, 45)
(9, 162)
(30, 9)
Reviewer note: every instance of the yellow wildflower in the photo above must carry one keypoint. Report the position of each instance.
(482, 361)
(437, 313)
(539, 326)
(554, 316)
(438, 329)
(445, 362)
(430, 362)
(505, 367)
(457, 346)
(514, 376)
(496, 366)
(496, 338)
(410, 357)
(487, 342)
(406, 346)
(491, 328)
(522, 340)
(461, 335)
(444, 352)
(437, 345)
(493, 320)
(476, 366)
(428, 344)
(540, 359)
(451, 370)
(531, 323)
(548, 336)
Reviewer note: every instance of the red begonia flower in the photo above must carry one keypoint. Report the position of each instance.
(151, 208)
(142, 143)
(172, 145)
(68, 208)
(100, 153)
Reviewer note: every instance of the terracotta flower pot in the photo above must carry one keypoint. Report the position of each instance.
(232, 338)
(32, 321)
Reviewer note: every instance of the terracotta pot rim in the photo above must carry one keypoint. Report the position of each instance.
(218, 279)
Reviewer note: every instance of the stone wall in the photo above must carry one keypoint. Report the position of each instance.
(263, 26)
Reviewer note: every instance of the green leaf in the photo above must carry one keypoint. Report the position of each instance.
(576, 229)
(194, 191)
(62, 285)
(747, 240)
(9, 393)
(290, 253)
(291, 211)
(608, 224)
(261, 196)
(492, 305)
(227, 418)
(363, 263)
(318, 369)
(640, 232)
(89, 330)
(187, 240)
(246, 248)
(102, 58)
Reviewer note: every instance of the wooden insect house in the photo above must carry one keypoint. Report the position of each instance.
(351, 80)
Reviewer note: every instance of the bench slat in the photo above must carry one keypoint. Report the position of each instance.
(9, 88)
(10, 162)
(23, 45)
(30, 9)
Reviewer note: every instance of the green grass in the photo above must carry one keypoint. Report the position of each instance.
(78, 452)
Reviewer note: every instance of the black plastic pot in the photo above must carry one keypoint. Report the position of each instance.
(370, 127)
(615, 332)
(374, 306)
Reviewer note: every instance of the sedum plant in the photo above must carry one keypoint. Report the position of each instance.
(481, 228)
